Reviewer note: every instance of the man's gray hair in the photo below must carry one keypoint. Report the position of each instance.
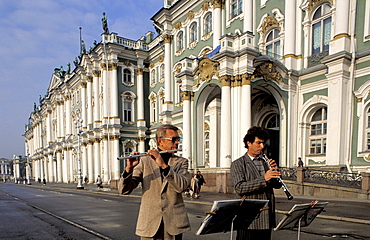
(162, 130)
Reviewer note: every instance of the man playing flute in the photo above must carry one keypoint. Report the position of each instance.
(163, 177)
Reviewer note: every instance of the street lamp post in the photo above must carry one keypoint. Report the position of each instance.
(78, 124)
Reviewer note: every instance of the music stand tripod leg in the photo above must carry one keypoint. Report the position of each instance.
(299, 227)
(232, 227)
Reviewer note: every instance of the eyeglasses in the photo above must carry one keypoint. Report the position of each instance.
(173, 139)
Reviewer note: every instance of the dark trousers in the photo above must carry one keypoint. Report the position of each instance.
(251, 234)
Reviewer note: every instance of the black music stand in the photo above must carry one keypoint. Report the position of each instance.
(230, 215)
(301, 215)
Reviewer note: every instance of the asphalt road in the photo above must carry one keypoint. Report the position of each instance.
(60, 211)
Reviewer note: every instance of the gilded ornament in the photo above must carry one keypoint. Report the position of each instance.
(206, 70)
(205, 6)
(178, 68)
(151, 65)
(167, 38)
(127, 63)
(191, 15)
(268, 23)
(140, 71)
(160, 59)
(268, 72)
(178, 25)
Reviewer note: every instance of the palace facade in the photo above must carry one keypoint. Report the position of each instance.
(300, 69)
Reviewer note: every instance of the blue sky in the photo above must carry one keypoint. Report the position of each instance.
(40, 35)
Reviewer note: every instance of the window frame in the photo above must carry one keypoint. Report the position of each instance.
(318, 135)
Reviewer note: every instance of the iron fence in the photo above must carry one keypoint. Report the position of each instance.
(343, 179)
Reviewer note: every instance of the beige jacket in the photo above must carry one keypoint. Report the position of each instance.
(160, 199)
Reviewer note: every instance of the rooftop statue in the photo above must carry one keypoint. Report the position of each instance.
(105, 24)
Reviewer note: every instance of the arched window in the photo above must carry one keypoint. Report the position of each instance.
(152, 77)
(180, 41)
(208, 23)
(368, 129)
(129, 148)
(236, 7)
(206, 146)
(127, 76)
(321, 29)
(273, 43)
(318, 132)
(193, 32)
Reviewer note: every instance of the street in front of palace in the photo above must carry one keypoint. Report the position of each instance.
(60, 211)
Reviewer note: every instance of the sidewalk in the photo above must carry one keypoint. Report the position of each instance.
(349, 210)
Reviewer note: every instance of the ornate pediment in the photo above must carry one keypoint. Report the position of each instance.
(206, 70)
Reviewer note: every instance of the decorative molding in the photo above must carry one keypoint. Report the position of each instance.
(246, 79)
(358, 100)
(89, 78)
(161, 59)
(339, 36)
(206, 70)
(217, 3)
(151, 65)
(178, 68)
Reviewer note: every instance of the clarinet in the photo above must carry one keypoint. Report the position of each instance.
(283, 186)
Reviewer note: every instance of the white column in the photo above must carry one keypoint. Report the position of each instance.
(68, 115)
(105, 176)
(50, 177)
(84, 160)
(90, 161)
(48, 127)
(248, 15)
(341, 40)
(140, 109)
(65, 165)
(290, 34)
(236, 117)
(59, 166)
(67, 159)
(97, 164)
(225, 144)
(140, 95)
(105, 94)
(168, 103)
(83, 105)
(187, 137)
(114, 94)
(89, 120)
(246, 119)
(217, 22)
(96, 91)
(116, 163)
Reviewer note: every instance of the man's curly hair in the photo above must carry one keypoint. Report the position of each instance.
(254, 132)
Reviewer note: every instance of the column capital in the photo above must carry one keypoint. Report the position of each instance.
(96, 73)
(225, 80)
(89, 78)
(246, 79)
(187, 95)
(217, 3)
(140, 71)
(167, 38)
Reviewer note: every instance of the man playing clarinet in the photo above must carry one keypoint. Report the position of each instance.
(163, 177)
(254, 178)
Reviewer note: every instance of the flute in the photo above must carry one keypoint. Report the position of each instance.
(146, 153)
(283, 186)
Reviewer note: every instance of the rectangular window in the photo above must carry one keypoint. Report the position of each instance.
(368, 141)
(316, 38)
(127, 112)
